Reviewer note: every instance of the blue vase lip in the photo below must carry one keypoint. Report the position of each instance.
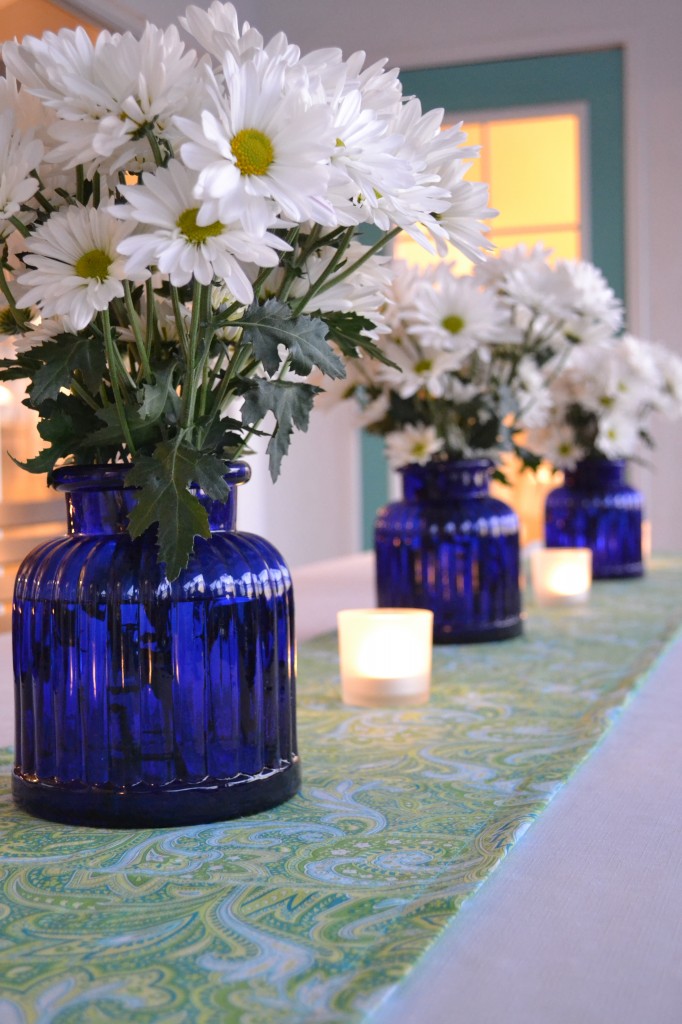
(435, 465)
(111, 476)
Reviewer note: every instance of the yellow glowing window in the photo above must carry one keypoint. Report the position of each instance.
(532, 165)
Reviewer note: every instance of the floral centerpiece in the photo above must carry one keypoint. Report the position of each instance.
(179, 242)
(473, 358)
(180, 252)
(473, 363)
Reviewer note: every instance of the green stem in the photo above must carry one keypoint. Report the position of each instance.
(113, 358)
(155, 148)
(20, 226)
(326, 280)
(178, 311)
(79, 390)
(189, 395)
(137, 330)
(151, 316)
(6, 291)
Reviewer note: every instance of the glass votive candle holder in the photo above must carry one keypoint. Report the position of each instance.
(561, 575)
(385, 656)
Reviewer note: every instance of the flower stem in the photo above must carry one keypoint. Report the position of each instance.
(134, 318)
(113, 358)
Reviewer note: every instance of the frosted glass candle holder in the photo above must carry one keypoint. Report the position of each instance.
(561, 575)
(385, 656)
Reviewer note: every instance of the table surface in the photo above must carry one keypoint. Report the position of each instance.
(582, 922)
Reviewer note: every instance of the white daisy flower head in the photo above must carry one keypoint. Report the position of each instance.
(263, 142)
(170, 238)
(453, 314)
(109, 96)
(415, 443)
(494, 271)
(421, 368)
(670, 365)
(42, 329)
(217, 31)
(19, 155)
(533, 396)
(557, 442)
(594, 299)
(77, 269)
(618, 435)
(366, 167)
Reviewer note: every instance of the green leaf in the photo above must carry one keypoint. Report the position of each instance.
(67, 424)
(61, 358)
(290, 403)
(346, 330)
(268, 326)
(164, 498)
(160, 397)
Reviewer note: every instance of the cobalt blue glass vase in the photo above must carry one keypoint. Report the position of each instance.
(142, 702)
(595, 508)
(451, 547)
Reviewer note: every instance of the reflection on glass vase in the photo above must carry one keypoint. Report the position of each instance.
(451, 547)
(141, 702)
(595, 508)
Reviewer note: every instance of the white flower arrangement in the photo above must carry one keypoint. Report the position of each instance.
(522, 355)
(179, 243)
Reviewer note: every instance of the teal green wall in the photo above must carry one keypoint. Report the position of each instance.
(594, 78)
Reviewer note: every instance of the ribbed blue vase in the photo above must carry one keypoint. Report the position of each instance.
(141, 702)
(597, 509)
(451, 547)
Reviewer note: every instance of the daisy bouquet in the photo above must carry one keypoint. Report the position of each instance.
(603, 400)
(601, 387)
(180, 250)
(482, 357)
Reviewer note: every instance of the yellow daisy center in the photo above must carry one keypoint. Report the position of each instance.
(94, 264)
(453, 323)
(197, 233)
(423, 366)
(252, 151)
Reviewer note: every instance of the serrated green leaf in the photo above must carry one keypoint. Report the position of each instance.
(61, 358)
(290, 403)
(346, 330)
(163, 498)
(159, 398)
(268, 326)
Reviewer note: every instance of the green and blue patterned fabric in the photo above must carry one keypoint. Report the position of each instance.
(315, 910)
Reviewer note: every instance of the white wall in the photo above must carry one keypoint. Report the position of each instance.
(430, 32)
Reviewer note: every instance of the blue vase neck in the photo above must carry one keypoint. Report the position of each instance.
(590, 474)
(98, 502)
(446, 481)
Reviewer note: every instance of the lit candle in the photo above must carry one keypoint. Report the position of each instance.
(385, 656)
(561, 575)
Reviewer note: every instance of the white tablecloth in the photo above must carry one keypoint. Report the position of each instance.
(582, 921)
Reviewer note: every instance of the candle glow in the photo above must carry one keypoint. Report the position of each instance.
(561, 575)
(385, 656)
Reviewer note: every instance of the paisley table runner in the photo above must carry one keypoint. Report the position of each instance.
(315, 910)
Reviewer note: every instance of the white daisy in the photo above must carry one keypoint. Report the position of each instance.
(180, 247)
(108, 94)
(20, 154)
(77, 268)
(421, 368)
(264, 141)
(413, 444)
(453, 314)
(217, 31)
